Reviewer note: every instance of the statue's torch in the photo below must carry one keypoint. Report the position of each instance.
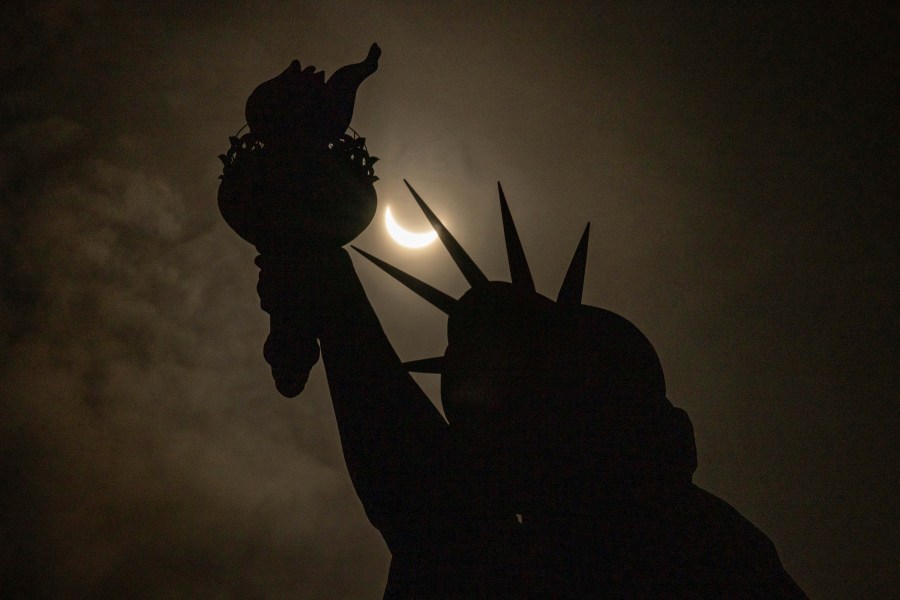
(296, 186)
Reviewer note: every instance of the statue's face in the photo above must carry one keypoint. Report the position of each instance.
(503, 382)
(496, 349)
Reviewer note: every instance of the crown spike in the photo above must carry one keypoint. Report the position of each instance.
(515, 255)
(425, 365)
(468, 267)
(433, 295)
(573, 284)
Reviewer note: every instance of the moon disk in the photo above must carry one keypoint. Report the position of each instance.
(404, 237)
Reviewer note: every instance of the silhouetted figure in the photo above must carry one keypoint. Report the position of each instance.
(562, 470)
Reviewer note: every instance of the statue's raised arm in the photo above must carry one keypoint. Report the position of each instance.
(298, 188)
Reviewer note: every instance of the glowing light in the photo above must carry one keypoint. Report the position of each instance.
(404, 237)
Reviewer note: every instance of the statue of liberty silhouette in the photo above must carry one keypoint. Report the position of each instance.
(561, 470)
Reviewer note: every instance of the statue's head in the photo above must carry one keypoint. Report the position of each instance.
(548, 395)
(518, 350)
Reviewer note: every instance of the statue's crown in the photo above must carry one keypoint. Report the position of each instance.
(495, 324)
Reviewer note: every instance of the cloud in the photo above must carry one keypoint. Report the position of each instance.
(145, 452)
(143, 448)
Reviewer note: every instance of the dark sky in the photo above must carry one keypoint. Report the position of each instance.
(738, 168)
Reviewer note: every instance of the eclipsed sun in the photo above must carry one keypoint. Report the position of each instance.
(404, 237)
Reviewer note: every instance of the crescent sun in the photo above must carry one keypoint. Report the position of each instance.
(404, 237)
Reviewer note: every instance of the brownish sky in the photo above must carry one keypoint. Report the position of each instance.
(738, 167)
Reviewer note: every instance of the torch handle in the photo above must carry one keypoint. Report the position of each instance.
(287, 291)
(292, 350)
